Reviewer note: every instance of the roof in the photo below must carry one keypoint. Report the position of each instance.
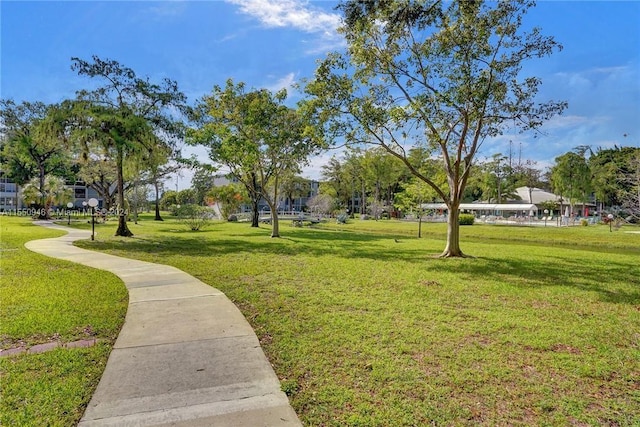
(537, 195)
(486, 206)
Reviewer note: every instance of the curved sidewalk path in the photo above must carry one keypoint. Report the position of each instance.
(185, 356)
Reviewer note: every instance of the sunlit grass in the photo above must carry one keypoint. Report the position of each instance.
(365, 327)
(42, 300)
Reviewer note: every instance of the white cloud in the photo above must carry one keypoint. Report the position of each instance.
(299, 15)
(290, 13)
(558, 122)
(314, 169)
(285, 82)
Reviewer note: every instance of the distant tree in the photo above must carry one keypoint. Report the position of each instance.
(440, 75)
(138, 198)
(571, 178)
(257, 137)
(340, 177)
(169, 198)
(497, 185)
(321, 204)
(100, 175)
(630, 193)
(203, 181)
(293, 187)
(230, 197)
(607, 167)
(34, 143)
(126, 115)
(415, 194)
(153, 166)
(382, 174)
(52, 193)
(527, 175)
(187, 197)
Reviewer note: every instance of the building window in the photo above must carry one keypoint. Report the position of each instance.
(80, 193)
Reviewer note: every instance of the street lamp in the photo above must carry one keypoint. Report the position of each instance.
(546, 212)
(610, 216)
(69, 206)
(93, 203)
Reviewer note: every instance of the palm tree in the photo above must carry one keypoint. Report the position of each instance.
(52, 193)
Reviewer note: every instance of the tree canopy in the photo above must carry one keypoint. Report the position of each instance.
(257, 137)
(444, 76)
(33, 145)
(126, 115)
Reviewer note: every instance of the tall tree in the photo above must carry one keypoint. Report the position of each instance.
(257, 137)
(293, 187)
(336, 175)
(203, 182)
(34, 144)
(608, 166)
(496, 185)
(630, 195)
(154, 166)
(571, 178)
(441, 75)
(127, 115)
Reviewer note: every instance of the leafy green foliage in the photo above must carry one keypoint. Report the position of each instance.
(52, 193)
(127, 116)
(257, 137)
(230, 197)
(33, 145)
(442, 76)
(195, 217)
(571, 177)
(466, 219)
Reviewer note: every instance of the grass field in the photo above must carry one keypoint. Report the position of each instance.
(365, 327)
(43, 300)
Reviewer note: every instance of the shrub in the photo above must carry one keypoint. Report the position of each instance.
(466, 219)
(584, 222)
(193, 216)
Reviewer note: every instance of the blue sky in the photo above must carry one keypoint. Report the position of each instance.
(274, 43)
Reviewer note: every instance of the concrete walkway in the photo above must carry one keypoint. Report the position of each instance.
(185, 356)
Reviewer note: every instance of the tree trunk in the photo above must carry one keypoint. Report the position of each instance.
(254, 193)
(44, 211)
(122, 230)
(275, 223)
(255, 214)
(453, 234)
(158, 217)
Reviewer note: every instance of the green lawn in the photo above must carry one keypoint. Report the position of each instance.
(42, 300)
(365, 327)
(362, 323)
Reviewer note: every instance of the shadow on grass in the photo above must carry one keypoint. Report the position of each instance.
(614, 281)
